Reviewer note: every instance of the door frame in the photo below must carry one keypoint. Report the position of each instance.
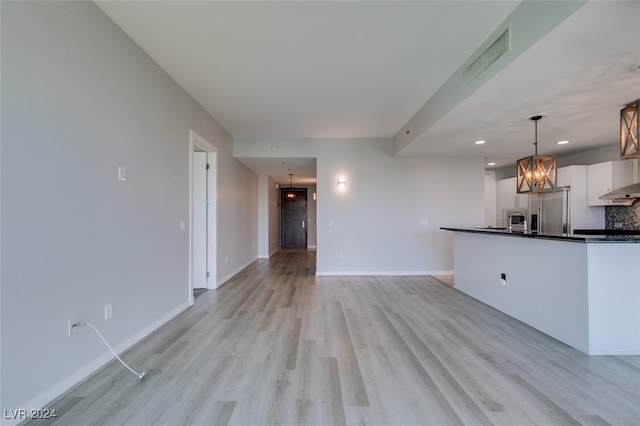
(306, 214)
(212, 160)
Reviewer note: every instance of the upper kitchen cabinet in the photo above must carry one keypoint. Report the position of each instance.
(511, 198)
(605, 177)
(581, 216)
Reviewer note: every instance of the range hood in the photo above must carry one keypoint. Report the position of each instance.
(624, 196)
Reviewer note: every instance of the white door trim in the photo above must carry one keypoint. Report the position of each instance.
(197, 140)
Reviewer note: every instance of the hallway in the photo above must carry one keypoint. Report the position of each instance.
(276, 345)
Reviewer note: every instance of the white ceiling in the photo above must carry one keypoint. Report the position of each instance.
(579, 75)
(302, 169)
(362, 69)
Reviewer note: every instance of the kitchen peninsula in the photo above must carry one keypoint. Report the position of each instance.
(583, 290)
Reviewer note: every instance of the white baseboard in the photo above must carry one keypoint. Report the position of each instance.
(440, 273)
(309, 248)
(268, 254)
(235, 272)
(380, 273)
(47, 397)
(274, 251)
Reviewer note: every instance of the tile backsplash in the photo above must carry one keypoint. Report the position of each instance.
(623, 217)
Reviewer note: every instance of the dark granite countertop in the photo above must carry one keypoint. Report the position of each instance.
(562, 237)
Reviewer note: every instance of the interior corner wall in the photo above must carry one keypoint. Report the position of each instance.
(387, 219)
(263, 217)
(237, 221)
(269, 217)
(312, 216)
(79, 99)
(274, 240)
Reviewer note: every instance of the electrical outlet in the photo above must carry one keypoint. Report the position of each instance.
(108, 311)
(503, 279)
(71, 330)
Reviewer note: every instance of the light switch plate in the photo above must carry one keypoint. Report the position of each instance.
(122, 174)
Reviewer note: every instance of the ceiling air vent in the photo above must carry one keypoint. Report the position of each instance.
(486, 58)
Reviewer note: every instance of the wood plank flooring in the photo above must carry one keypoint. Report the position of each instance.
(278, 346)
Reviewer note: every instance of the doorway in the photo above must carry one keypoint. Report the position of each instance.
(202, 194)
(294, 218)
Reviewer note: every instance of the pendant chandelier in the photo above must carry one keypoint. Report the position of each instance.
(536, 173)
(290, 193)
(629, 131)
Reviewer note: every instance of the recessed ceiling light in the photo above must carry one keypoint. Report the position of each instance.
(562, 142)
(491, 164)
(480, 142)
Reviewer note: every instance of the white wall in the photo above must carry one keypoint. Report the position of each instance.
(268, 217)
(79, 99)
(237, 217)
(375, 226)
(312, 218)
(263, 216)
(592, 156)
(274, 217)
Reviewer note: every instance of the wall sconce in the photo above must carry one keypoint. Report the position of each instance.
(315, 196)
(342, 183)
(629, 131)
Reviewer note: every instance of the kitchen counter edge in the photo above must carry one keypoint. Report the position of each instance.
(560, 237)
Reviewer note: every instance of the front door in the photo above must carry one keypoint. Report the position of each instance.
(294, 218)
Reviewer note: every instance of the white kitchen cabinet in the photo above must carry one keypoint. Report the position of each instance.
(605, 177)
(512, 198)
(581, 215)
(500, 204)
(490, 199)
(521, 200)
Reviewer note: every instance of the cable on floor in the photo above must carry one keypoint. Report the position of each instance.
(88, 324)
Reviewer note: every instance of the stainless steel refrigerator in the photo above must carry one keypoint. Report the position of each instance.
(549, 212)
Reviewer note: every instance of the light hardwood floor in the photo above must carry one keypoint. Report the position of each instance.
(276, 345)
